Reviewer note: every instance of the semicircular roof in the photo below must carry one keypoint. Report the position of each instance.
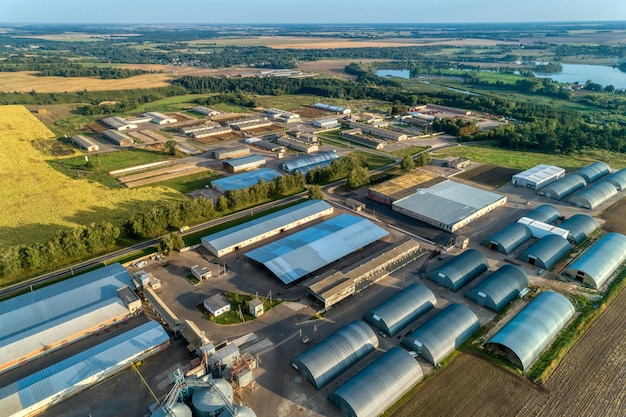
(544, 213)
(499, 288)
(563, 187)
(523, 338)
(595, 195)
(579, 226)
(618, 179)
(594, 171)
(546, 252)
(600, 261)
(508, 239)
(460, 269)
(308, 160)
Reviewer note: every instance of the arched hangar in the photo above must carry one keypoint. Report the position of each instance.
(564, 187)
(460, 270)
(508, 239)
(546, 252)
(544, 213)
(594, 172)
(594, 196)
(499, 288)
(618, 179)
(579, 226)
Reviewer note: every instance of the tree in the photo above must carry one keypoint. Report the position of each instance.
(358, 177)
(423, 159)
(407, 163)
(171, 242)
(222, 203)
(315, 193)
(170, 146)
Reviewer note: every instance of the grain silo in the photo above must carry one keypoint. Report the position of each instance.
(210, 402)
(238, 411)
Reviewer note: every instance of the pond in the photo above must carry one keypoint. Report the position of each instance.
(580, 73)
(403, 73)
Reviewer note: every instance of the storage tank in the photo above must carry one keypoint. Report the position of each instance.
(207, 402)
(239, 411)
(177, 410)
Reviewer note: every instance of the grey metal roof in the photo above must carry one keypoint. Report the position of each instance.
(53, 313)
(523, 338)
(544, 213)
(460, 270)
(252, 159)
(499, 288)
(308, 160)
(235, 235)
(539, 175)
(564, 187)
(325, 361)
(600, 261)
(306, 251)
(594, 196)
(443, 333)
(580, 226)
(448, 202)
(43, 388)
(508, 239)
(594, 171)
(400, 310)
(546, 252)
(374, 389)
(618, 179)
(245, 179)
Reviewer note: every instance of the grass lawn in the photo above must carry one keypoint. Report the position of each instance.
(287, 101)
(239, 302)
(412, 150)
(375, 161)
(189, 183)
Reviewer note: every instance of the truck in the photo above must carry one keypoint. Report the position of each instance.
(183, 229)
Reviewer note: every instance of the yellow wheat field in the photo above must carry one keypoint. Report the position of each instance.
(36, 201)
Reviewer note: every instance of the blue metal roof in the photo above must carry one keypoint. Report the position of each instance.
(460, 270)
(304, 161)
(594, 171)
(579, 226)
(377, 387)
(618, 179)
(546, 252)
(245, 179)
(306, 251)
(544, 213)
(508, 239)
(594, 196)
(523, 338)
(564, 187)
(499, 288)
(600, 261)
(244, 160)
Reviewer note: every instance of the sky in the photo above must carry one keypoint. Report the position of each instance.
(316, 11)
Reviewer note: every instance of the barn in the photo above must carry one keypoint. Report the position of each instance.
(85, 142)
(579, 226)
(499, 288)
(544, 213)
(400, 310)
(244, 163)
(564, 187)
(546, 252)
(460, 270)
(594, 171)
(328, 359)
(117, 137)
(618, 179)
(523, 338)
(508, 239)
(592, 197)
(442, 334)
(538, 177)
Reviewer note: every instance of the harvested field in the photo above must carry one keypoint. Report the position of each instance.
(140, 136)
(166, 176)
(489, 175)
(156, 137)
(615, 217)
(312, 113)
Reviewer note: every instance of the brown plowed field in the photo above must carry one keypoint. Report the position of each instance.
(154, 173)
(588, 383)
(489, 175)
(615, 217)
(165, 177)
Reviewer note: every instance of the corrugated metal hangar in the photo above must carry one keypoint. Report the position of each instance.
(540, 229)
(579, 226)
(403, 308)
(618, 179)
(508, 239)
(244, 180)
(242, 235)
(460, 270)
(544, 213)
(596, 265)
(499, 288)
(564, 187)
(306, 251)
(523, 338)
(328, 359)
(538, 177)
(594, 196)
(374, 389)
(244, 163)
(306, 163)
(546, 252)
(442, 334)
(449, 205)
(594, 172)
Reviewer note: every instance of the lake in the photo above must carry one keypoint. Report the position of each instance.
(393, 73)
(599, 74)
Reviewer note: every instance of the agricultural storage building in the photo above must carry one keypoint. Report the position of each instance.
(538, 177)
(405, 185)
(460, 270)
(306, 163)
(327, 123)
(331, 108)
(306, 251)
(618, 179)
(333, 355)
(508, 239)
(52, 317)
(592, 197)
(159, 118)
(85, 142)
(47, 387)
(540, 229)
(377, 387)
(265, 144)
(442, 334)
(245, 163)
(400, 310)
(546, 252)
(594, 171)
(206, 111)
(579, 227)
(224, 153)
(379, 132)
(499, 288)
(119, 123)
(544, 213)
(298, 145)
(247, 123)
(245, 234)
(564, 187)
(355, 136)
(600, 261)
(244, 180)
(210, 131)
(117, 137)
(449, 205)
(523, 338)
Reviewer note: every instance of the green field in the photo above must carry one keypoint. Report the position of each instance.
(411, 150)
(189, 183)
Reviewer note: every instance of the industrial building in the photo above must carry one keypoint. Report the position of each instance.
(527, 334)
(328, 123)
(118, 123)
(331, 108)
(298, 145)
(117, 137)
(210, 131)
(47, 387)
(564, 187)
(225, 153)
(592, 197)
(596, 265)
(544, 213)
(377, 387)
(379, 132)
(538, 177)
(334, 286)
(618, 179)
(49, 318)
(356, 136)
(328, 359)
(306, 251)
(244, 180)
(594, 172)
(159, 118)
(508, 239)
(216, 305)
(85, 142)
(265, 144)
(405, 185)
(579, 227)
(443, 333)
(402, 309)
(244, 163)
(206, 111)
(248, 123)
(546, 252)
(245, 234)
(460, 270)
(306, 163)
(282, 115)
(499, 288)
(188, 130)
(449, 205)
(541, 229)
